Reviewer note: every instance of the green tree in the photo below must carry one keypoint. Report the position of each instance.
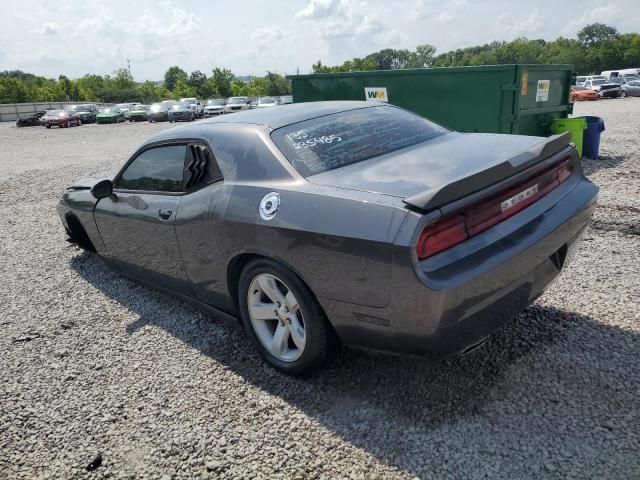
(276, 85)
(422, 56)
(239, 88)
(173, 75)
(196, 81)
(595, 34)
(222, 79)
(183, 89)
(148, 92)
(13, 90)
(209, 89)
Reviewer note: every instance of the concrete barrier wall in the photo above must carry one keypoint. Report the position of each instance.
(10, 112)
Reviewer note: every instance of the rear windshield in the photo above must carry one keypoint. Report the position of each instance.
(333, 141)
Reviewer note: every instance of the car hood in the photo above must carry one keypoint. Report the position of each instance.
(138, 112)
(214, 106)
(85, 183)
(108, 114)
(431, 165)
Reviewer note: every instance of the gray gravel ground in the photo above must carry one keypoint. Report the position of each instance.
(91, 363)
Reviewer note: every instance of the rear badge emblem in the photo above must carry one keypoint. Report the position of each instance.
(269, 205)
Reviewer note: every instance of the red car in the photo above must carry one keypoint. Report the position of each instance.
(579, 93)
(60, 118)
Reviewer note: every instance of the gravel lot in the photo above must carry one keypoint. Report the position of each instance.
(92, 364)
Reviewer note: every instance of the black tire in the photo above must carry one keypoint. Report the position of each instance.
(320, 337)
(48, 126)
(623, 94)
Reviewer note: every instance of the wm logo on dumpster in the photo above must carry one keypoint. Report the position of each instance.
(376, 93)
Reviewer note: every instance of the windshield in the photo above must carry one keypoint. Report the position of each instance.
(237, 100)
(159, 107)
(598, 82)
(70, 108)
(333, 141)
(580, 88)
(83, 109)
(54, 113)
(109, 110)
(215, 102)
(123, 106)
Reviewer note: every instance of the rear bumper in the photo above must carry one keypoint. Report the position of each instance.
(446, 305)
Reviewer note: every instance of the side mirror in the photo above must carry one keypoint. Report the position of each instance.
(102, 189)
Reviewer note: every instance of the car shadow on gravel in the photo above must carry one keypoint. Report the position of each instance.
(603, 162)
(392, 406)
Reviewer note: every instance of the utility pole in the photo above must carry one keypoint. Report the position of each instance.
(129, 66)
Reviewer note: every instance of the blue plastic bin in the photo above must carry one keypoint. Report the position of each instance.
(591, 142)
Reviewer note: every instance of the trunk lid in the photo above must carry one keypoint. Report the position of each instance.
(449, 167)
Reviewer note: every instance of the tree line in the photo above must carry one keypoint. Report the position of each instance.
(598, 47)
(20, 87)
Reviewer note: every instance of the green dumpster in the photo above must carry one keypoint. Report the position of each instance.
(522, 99)
(574, 125)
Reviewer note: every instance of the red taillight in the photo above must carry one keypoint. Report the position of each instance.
(455, 229)
(441, 235)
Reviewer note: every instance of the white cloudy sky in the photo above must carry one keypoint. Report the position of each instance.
(252, 36)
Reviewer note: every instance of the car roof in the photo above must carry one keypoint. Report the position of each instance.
(291, 113)
(271, 118)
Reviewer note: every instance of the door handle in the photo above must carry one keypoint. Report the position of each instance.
(165, 213)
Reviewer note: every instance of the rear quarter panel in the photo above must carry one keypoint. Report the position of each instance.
(341, 247)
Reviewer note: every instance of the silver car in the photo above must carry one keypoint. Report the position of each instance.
(213, 107)
(630, 89)
(236, 104)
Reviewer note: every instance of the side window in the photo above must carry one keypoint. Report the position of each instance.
(157, 169)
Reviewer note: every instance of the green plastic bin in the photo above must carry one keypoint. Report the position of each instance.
(574, 125)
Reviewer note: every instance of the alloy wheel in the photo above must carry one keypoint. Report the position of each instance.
(276, 317)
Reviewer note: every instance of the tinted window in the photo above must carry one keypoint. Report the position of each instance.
(156, 169)
(334, 141)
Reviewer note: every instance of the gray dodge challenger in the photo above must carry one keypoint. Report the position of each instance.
(332, 223)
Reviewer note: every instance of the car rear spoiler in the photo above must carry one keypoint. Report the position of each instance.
(437, 197)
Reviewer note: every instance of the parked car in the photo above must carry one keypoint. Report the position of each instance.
(126, 107)
(284, 99)
(603, 88)
(236, 104)
(139, 113)
(352, 222)
(213, 107)
(60, 118)
(630, 89)
(266, 102)
(159, 112)
(33, 120)
(110, 115)
(193, 104)
(582, 93)
(87, 112)
(200, 108)
(181, 111)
